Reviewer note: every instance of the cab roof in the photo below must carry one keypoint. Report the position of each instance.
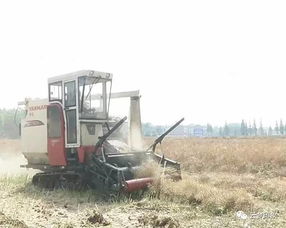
(75, 75)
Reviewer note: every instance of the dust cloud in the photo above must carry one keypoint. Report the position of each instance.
(11, 158)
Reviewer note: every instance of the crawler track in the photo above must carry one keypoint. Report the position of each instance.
(62, 180)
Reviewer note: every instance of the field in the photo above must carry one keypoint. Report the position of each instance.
(226, 183)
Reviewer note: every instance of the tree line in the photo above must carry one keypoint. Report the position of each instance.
(9, 128)
(242, 129)
(8, 124)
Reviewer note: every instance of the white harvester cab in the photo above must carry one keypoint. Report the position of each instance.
(73, 118)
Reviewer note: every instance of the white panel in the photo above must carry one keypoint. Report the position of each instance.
(34, 130)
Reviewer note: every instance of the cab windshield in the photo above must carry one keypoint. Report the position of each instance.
(94, 97)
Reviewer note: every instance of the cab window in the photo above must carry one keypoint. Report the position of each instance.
(92, 98)
(55, 91)
(70, 94)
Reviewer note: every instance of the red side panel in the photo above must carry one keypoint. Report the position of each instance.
(83, 151)
(56, 145)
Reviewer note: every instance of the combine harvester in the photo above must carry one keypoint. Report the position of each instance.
(73, 141)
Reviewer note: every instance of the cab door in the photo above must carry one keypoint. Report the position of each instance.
(56, 135)
(70, 105)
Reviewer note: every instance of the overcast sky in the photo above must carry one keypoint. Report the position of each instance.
(209, 61)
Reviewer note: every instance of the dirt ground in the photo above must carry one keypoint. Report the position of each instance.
(201, 199)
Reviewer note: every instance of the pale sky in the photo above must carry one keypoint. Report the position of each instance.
(207, 61)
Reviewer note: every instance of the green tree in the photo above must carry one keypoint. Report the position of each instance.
(243, 128)
(8, 128)
(261, 130)
(226, 129)
(281, 127)
(1, 124)
(276, 128)
(254, 128)
(246, 130)
(209, 129)
(249, 129)
(220, 132)
(270, 131)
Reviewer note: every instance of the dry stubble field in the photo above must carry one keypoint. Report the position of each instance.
(226, 183)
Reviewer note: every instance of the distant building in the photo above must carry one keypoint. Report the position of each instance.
(199, 131)
(178, 131)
